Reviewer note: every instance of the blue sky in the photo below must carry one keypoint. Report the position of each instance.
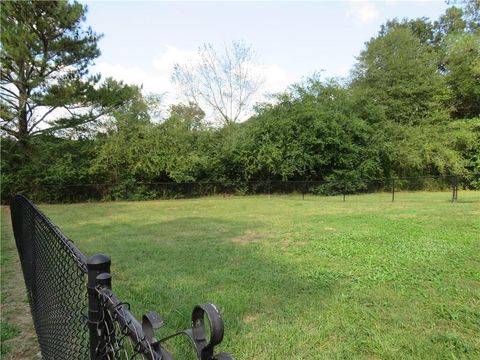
(143, 39)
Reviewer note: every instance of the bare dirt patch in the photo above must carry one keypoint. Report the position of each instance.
(330, 229)
(299, 243)
(248, 237)
(249, 318)
(404, 216)
(14, 307)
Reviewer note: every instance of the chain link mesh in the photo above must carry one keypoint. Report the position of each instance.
(55, 278)
(121, 335)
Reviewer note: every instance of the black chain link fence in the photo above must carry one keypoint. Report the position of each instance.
(137, 190)
(55, 277)
(75, 313)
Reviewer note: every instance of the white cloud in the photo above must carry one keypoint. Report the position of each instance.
(158, 80)
(165, 61)
(276, 78)
(363, 11)
(130, 75)
(338, 72)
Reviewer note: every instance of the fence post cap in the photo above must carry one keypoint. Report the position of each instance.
(104, 279)
(98, 261)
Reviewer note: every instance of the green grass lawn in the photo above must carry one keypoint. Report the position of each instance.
(299, 279)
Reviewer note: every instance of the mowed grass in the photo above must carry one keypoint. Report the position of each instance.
(300, 279)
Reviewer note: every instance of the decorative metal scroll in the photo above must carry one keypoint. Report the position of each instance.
(75, 313)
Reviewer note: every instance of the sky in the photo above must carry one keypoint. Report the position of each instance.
(292, 40)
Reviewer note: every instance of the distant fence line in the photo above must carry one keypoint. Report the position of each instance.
(138, 190)
(75, 313)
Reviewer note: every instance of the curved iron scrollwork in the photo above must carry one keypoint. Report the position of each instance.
(121, 336)
(198, 335)
(76, 314)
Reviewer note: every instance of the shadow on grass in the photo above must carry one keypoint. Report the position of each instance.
(172, 265)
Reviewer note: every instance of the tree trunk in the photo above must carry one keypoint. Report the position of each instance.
(23, 135)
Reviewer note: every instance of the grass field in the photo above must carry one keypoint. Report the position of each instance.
(295, 279)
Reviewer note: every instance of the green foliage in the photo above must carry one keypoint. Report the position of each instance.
(181, 141)
(54, 164)
(457, 42)
(137, 150)
(465, 139)
(462, 56)
(312, 134)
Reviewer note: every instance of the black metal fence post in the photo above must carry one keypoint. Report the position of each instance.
(454, 188)
(453, 192)
(393, 189)
(96, 265)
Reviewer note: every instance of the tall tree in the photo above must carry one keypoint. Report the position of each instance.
(462, 62)
(45, 83)
(190, 114)
(454, 40)
(457, 34)
(222, 81)
(397, 78)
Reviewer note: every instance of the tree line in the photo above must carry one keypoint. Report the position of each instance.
(411, 106)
